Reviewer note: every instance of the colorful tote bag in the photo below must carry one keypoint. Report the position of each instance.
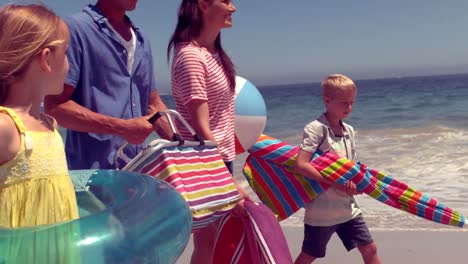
(194, 167)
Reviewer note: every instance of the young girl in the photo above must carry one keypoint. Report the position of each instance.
(35, 188)
(203, 82)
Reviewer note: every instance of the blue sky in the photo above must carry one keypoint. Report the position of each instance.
(278, 42)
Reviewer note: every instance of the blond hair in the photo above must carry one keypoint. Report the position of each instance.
(336, 83)
(25, 30)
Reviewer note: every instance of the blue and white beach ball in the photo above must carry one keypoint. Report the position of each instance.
(250, 114)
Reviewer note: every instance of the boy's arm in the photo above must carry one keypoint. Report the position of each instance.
(304, 168)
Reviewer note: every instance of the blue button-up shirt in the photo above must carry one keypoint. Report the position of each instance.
(103, 84)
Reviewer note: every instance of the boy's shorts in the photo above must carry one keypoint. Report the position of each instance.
(352, 234)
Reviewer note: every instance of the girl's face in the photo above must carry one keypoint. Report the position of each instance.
(217, 13)
(59, 67)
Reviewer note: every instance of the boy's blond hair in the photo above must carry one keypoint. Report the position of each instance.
(336, 83)
(25, 30)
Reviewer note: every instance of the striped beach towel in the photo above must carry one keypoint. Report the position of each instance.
(253, 239)
(196, 171)
(269, 171)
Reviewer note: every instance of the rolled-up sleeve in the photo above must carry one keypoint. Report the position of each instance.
(74, 54)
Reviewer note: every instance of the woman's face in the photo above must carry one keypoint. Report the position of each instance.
(217, 13)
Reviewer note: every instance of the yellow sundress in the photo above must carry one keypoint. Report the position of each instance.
(35, 190)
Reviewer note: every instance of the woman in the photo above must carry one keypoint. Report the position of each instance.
(203, 83)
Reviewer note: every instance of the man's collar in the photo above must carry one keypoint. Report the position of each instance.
(98, 17)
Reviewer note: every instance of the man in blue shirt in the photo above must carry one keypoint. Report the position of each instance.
(110, 89)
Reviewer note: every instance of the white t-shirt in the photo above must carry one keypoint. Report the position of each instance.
(130, 46)
(333, 206)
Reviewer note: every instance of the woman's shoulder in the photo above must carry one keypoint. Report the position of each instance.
(187, 48)
(188, 57)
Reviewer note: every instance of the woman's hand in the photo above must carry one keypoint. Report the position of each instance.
(243, 193)
(239, 210)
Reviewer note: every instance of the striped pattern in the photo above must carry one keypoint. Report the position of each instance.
(197, 172)
(250, 115)
(269, 171)
(198, 74)
(253, 239)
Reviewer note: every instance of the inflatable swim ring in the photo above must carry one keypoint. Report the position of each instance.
(124, 218)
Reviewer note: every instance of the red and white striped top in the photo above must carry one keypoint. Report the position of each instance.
(199, 74)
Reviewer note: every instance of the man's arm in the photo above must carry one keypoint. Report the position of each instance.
(73, 116)
(161, 126)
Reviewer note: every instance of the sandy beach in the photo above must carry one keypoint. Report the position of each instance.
(429, 247)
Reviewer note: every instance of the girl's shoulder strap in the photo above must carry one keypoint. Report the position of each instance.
(18, 122)
(25, 139)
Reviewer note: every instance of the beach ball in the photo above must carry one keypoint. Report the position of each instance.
(250, 115)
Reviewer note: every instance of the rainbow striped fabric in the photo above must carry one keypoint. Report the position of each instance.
(268, 170)
(197, 172)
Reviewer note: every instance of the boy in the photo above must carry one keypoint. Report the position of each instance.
(334, 210)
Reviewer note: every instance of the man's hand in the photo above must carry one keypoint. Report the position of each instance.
(135, 130)
(162, 128)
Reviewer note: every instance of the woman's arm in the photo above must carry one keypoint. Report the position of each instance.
(200, 118)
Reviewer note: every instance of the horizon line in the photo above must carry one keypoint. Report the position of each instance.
(357, 80)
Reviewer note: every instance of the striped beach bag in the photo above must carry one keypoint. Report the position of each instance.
(194, 167)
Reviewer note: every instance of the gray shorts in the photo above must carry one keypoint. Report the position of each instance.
(352, 234)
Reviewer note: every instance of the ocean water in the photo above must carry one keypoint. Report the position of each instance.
(415, 129)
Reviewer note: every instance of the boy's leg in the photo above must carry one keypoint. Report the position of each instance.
(369, 253)
(315, 243)
(355, 233)
(303, 258)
